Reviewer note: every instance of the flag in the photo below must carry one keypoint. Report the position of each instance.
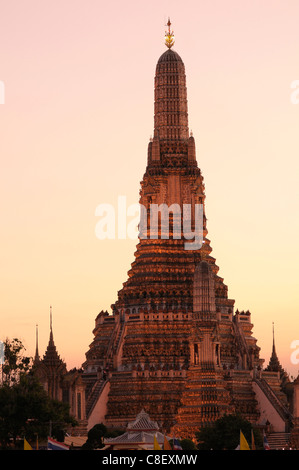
(156, 445)
(27, 446)
(243, 443)
(176, 445)
(166, 446)
(266, 445)
(252, 440)
(55, 445)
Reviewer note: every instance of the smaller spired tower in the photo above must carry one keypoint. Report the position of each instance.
(274, 363)
(275, 366)
(51, 369)
(59, 383)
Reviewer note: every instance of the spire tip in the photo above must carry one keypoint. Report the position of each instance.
(169, 36)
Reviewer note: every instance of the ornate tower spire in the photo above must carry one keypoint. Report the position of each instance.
(51, 354)
(274, 363)
(169, 36)
(51, 331)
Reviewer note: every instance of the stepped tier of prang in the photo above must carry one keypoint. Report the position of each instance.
(174, 344)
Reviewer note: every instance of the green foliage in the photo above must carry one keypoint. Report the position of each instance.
(25, 407)
(187, 444)
(95, 436)
(15, 363)
(224, 434)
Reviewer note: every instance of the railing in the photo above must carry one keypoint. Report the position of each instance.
(281, 409)
(113, 339)
(96, 391)
(119, 339)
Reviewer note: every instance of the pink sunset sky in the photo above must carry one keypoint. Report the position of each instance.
(75, 125)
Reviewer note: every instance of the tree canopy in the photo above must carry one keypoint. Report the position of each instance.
(224, 434)
(96, 435)
(26, 410)
(15, 362)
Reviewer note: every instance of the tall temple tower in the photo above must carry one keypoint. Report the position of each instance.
(173, 345)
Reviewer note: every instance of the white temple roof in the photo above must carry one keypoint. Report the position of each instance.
(140, 431)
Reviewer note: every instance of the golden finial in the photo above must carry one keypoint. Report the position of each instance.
(169, 36)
